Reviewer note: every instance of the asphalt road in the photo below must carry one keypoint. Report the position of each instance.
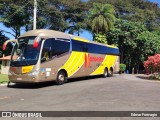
(117, 93)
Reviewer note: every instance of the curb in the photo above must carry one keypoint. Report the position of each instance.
(5, 84)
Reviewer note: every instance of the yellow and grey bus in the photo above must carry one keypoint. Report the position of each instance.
(48, 55)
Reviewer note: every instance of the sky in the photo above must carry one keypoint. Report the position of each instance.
(84, 34)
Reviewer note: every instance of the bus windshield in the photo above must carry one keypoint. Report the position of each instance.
(25, 54)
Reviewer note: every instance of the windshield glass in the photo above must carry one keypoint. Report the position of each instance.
(25, 54)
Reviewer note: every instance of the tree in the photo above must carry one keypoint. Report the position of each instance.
(58, 15)
(124, 35)
(101, 38)
(147, 44)
(101, 18)
(136, 10)
(12, 16)
(75, 15)
(134, 41)
(18, 15)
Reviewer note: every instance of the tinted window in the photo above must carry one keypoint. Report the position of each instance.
(53, 48)
(93, 48)
(60, 46)
(100, 49)
(47, 50)
(25, 54)
(78, 46)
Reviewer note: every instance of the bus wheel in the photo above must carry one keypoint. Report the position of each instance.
(105, 74)
(61, 78)
(110, 73)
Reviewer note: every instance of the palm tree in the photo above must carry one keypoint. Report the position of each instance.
(101, 18)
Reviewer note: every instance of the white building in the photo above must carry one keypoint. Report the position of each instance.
(5, 64)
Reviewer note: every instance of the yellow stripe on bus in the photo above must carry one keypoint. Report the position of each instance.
(75, 61)
(80, 39)
(111, 61)
(100, 69)
(108, 62)
(77, 65)
(70, 61)
(112, 46)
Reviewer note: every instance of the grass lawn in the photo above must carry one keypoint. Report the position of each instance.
(3, 78)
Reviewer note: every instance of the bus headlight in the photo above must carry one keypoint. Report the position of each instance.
(33, 73)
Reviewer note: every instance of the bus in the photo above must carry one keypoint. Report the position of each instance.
(48, 55)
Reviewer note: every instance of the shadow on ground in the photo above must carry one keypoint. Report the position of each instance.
(47, 84)
(148, 77)
(143, 77)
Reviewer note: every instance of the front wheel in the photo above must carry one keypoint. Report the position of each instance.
(61, 78)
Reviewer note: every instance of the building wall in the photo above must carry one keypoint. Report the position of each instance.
(5, 67)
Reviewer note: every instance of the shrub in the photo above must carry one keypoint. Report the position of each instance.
(152, 65)
(122, 67)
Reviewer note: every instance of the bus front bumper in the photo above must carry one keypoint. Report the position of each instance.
(22, 79)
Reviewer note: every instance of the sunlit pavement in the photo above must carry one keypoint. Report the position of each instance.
(117, 93)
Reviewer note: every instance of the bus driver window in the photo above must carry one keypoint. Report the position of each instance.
(46, 52)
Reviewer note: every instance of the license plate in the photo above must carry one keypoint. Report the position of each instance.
(19, 78)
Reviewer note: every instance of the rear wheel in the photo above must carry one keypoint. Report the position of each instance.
(61, 78)
(110, 73)
(105, 74)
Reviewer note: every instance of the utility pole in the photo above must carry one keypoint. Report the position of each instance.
(35, 15)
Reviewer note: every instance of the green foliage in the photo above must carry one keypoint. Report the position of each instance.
(122, 67)
(19, 13)
(124, 35)
(75, 16)
(133, 39)
(136, 10)
(100, 38)
(136, 32)
(59, 15)
(147, 44)
(101, 18)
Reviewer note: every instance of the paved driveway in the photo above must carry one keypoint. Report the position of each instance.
(117, 93)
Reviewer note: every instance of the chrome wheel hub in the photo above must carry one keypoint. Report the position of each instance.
(61, 77)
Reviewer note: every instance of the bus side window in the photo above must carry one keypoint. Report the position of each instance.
(78, 46)
(59, 47)
(47, 50)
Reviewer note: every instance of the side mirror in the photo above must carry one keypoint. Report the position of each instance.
(36, 42)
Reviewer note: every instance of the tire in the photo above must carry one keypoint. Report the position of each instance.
(105, 74)
(110, 73)
(61, 78)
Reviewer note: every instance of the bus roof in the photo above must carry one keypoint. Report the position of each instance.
(46, 33)
(57, 34)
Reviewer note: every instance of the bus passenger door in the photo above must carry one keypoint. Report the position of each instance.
(46, 66)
